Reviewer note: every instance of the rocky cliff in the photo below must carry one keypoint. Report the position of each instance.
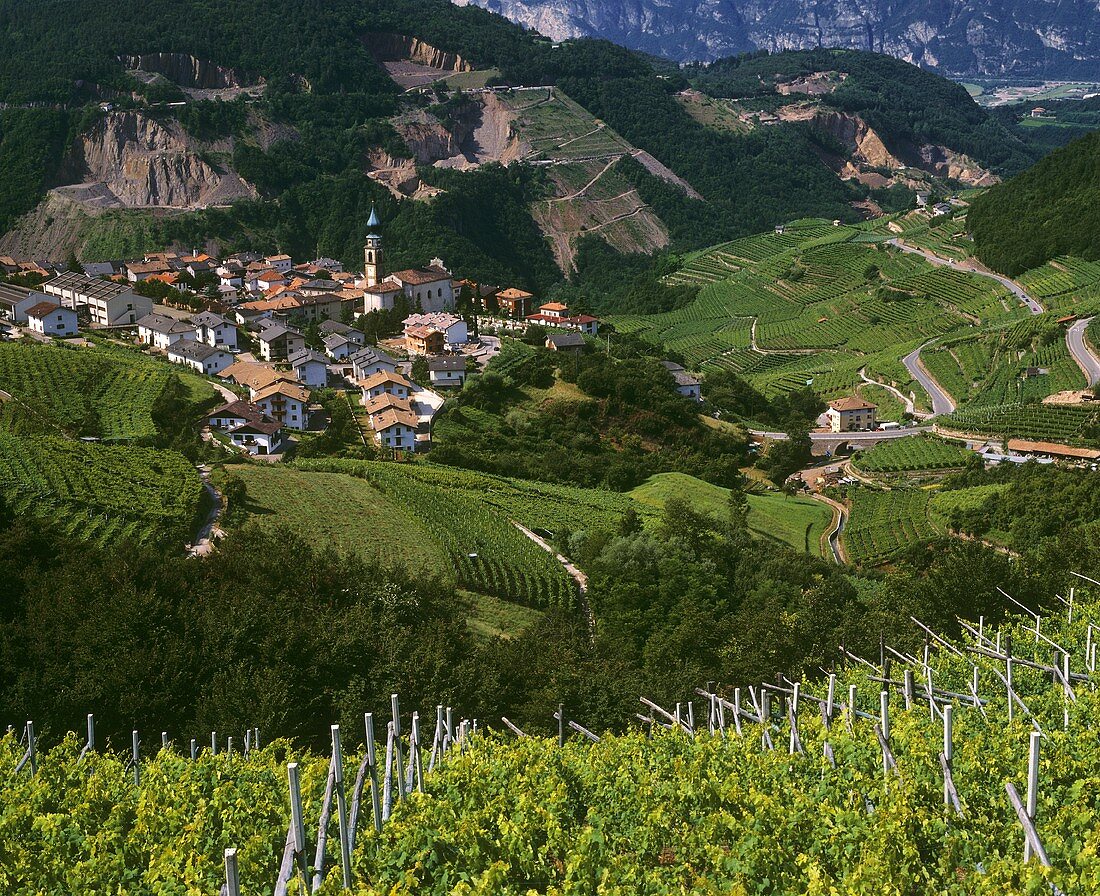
(1048, 38)
(187, 71)
(130, 160)
(398, 47)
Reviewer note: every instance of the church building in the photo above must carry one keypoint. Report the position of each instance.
(427, 289)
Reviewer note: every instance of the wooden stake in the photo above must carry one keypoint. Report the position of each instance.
(137, 760)
(297, 826)
(194, 749)
(232, 879)
(387, 785)
(395, 706)
(948, 748)
(372, 767)
(341, 806)
(1032, 786)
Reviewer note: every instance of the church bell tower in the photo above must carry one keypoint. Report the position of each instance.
(372, 252)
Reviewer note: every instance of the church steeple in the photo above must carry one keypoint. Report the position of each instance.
(372, 252)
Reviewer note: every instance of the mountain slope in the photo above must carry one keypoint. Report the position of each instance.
(972, 37)
(1050, 210)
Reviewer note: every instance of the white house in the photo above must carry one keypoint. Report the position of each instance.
(288, 403)
(280, 263)
(386, 383)
(851, 414)
(340, 347)
(247, 427)
(452, 326)
(687, 385)
(109, 304)
(215, 330)
(52, 320)
(370, 360)
(162, 331)
(447, 372)
(277, 343)
(309, 367)
(201, 357)
(230, 277)
(394, 422)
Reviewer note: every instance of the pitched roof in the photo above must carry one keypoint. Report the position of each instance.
(440, 320)
(255, 420)
(852, 403)
(148, 267)
(43, 308)
(388, 400)
(304, 356)
(383, 377)
(386, 286)
(334, 326)
(88, 287)
(1053, 448)
(421, 276)
(276, 331)
(210, 319)
(195, 351)
(444, 363)
(163, 324)
(565, 340)
(513, 293)
(254, 374)
(392, 417)
(553, 306)
(369, 354)
(289, 390)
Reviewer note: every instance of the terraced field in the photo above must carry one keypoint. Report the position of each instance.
(826, 301)
(912, 455)
(885, 524)
(1042, 422)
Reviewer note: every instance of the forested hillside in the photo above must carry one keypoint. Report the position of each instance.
(1048, 211)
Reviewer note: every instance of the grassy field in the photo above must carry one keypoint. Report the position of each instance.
(797, 522)
(491, 617)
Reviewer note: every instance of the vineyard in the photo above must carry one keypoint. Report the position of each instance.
(1042, 422)
(911, 455)
(963, 768)
(885, 524)
(100, 493)
(824, 302)
(81, 392)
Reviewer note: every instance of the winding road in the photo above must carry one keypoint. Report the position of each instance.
(942, 402)
(1082, 352)
(971, 268)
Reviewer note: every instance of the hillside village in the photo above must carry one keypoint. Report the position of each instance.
(274, 332)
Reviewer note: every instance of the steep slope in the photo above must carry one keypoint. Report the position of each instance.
(973, 37)
(1050, 210)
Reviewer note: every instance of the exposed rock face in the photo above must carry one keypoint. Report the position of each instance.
(398, 47)
(1050, 38)
(130, 160)
(187, 71)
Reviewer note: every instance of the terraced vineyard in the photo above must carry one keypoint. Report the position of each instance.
(885, 524)
(826, 301)
(911, 455)
(1049, 423)
(74, 391)
(1064, 284)
(101, 493)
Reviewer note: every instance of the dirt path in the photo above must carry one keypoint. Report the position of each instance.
(832, 536)
(575, 573)
(910, 408)
(204, 544)
(778, 351)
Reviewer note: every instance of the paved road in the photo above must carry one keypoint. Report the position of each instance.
(969, 268)
(1082, 353)
(851, 437)
(942, 402)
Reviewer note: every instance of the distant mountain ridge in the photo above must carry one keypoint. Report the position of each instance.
(1022, 38)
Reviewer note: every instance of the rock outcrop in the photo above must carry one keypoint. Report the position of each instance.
(187, 71)
(400, 48)
(1024, 38)
(129, 160)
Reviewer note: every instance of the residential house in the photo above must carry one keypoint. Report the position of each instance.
(370, 360)
(162, 331)
(339, 347)
(452, 327)
(395, 427)
(248, 427)
(215, 330)
(556, 314)
(851, 414)
(288, 403)
(255, 375)
(139, 271)
(50, 319)
(109, 304)
(386, 383)
(262, 281)
(230, 276)
(309, 367)
(565, 342)
(447, 372)
(424, 341)
(101, 268)
(277, 343)
(515, 303)
(335, 327)
(280, 263)
(687, 385)
(208, 359)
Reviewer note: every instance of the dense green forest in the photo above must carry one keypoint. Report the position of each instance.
(1049, 210)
